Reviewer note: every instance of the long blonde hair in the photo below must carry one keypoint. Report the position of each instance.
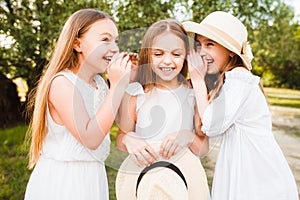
(63, 57)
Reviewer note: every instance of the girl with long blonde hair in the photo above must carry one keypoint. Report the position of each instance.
(74, 110)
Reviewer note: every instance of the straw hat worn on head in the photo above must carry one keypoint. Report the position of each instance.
(180, 178)
(226, 30)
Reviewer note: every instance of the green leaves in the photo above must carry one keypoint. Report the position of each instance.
(34, 27)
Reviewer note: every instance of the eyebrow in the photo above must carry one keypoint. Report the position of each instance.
(156, 49)
(205, 40)
(106, 34)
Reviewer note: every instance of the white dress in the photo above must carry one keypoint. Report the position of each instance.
(250, 164)
(162, 112)
(66, 169)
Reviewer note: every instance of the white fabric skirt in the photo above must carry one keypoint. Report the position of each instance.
(61, 180)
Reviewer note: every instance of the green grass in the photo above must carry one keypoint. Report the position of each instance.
(283, 97)
(13, 172)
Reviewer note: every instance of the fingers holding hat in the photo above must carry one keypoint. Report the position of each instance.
(146, 156)
(175, 142)
(170, 149)
(141, 152)
(170, 146)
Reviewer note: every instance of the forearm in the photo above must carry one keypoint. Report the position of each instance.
(200, 145)
(97, 127)
(119, 141)
(200, 94)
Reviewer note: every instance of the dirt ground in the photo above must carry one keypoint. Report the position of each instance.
(286, 129)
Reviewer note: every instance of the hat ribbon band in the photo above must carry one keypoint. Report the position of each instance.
(225, 36)
(159, 164)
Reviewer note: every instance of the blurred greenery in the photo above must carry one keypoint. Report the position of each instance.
(13, 172)
(29, 29)
(283, 97)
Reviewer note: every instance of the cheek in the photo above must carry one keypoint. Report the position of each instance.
(221, 59)
(179, 62)
(155, 61)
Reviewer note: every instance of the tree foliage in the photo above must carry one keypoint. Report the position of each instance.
(277, 45)
(273, 34)
(33, 27)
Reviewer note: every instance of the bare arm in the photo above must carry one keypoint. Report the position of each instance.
(200, 144)
(127, 139)
(127, 119)
(197, 71)
(67, 106)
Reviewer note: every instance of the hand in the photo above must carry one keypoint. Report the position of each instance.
(142, 153)
(175, 142)
(134, 66)
(133, 58)
(197, 65)
(119, 70)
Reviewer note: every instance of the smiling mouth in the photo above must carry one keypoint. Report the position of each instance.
(167, 69)
(209, 61)
(107, 58)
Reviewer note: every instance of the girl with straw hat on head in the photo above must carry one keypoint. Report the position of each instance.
(250, 164)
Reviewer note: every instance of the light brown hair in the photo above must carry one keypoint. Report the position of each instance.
(233, 62)
(146, 76)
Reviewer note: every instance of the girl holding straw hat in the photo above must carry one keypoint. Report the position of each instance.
(158, 123)
(250, 164)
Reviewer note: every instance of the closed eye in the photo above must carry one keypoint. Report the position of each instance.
(157, 54)
(105, 39)
(177, 54)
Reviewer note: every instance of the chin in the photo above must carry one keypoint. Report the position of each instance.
(212, 71)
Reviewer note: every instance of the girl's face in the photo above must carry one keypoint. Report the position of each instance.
(215, 55)
(98, 45)
(167, 56)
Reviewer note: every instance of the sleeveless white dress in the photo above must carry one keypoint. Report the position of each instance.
(66, 169)
(162, 112)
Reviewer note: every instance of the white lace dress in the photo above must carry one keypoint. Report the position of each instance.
(66, 169)
(250, 164)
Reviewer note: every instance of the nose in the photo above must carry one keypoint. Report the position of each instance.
(202, 51)
(114, 47)
(167, 59)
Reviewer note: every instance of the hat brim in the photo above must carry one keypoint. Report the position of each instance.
(200, 29)
(189, 164)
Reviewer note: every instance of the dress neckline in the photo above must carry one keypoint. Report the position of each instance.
(84, 82)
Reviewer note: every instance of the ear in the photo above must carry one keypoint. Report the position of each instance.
(77, 45)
